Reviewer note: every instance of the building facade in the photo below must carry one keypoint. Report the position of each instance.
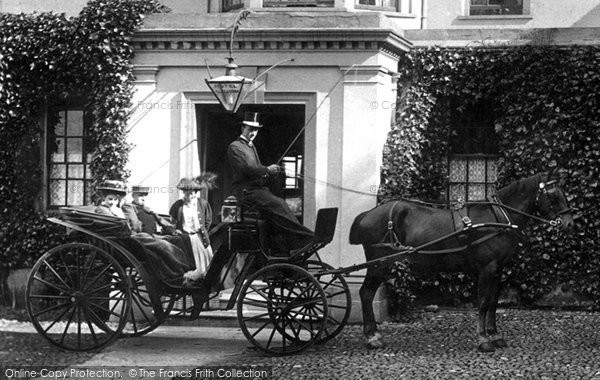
(326, 113)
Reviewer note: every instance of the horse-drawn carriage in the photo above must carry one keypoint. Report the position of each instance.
(97, 287)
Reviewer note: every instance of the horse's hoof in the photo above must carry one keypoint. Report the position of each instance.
(499, 343)
(375, 341)
(486, 347)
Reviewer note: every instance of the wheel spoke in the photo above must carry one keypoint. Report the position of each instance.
(57, 319)
(55, 307)
(64, 334)
(90, 326)
(111, 311)
(48, 296)
(55, 274)
(87, 272)
(108, 266)
(54, 286)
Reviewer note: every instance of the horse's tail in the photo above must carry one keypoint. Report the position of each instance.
(355, 235)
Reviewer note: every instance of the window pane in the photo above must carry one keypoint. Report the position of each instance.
(75, 123)
(58, 171)
(75, 193)
(476, 192)
(492, 171)
(88, 194)
(59, 155)
(491, 189)
(59, 129)
(58, 189)
(75, 150)
(477, 170)
(457, 192)
(88, 172)
(458, 170)
(496, 7)
(75, 171)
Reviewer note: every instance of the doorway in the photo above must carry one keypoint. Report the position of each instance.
(281, 124)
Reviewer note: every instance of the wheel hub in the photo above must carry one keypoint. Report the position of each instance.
(76, 297)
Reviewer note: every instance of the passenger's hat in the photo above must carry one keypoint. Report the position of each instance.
(139, 189)
(188, 183)
(251, 119)
(113, 186)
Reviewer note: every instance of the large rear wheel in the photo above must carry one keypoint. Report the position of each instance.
(78, 297)
(282, 309)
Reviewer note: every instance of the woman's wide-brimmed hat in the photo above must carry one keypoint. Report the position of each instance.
(251, 119)
(188, 183)
(112, 186)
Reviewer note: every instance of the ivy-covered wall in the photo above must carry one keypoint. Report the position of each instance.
(47, 59)
(546, 110)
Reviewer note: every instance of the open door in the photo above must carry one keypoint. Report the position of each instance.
(281, 124)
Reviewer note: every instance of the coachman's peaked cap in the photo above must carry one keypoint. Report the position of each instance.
(113, 186)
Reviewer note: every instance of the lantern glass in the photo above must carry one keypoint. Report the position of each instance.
(230, 90)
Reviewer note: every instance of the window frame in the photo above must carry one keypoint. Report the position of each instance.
(525, 13)
(48, 162)
(467, 183)
(283, 4)
(398, 7)
(230, 5)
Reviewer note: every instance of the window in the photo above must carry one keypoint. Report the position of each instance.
(68, 159)
(472, 177)
(496, 7)
(228, 5)
(292, 166)
(403, 6)
(472, 164)
(297, 3)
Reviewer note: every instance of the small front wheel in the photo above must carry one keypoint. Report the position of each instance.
(78, 297)
(282, 309)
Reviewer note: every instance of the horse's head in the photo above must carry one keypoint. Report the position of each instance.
(551, 201)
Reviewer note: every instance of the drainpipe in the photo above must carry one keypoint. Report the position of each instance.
(423, 14)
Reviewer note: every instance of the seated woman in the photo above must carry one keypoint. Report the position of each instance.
(193, 217)
(166, 259)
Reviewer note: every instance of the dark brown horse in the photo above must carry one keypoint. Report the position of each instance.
(486, 250)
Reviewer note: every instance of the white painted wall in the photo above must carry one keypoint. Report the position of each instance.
(444, 14)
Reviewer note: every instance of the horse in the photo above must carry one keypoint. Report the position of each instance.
(481, 251)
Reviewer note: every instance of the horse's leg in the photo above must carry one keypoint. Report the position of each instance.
(484, 296)
(492, 330)
(367, 294)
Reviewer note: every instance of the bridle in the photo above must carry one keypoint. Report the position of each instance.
(544, 189)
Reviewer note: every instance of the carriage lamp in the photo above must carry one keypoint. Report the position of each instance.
(231, 89)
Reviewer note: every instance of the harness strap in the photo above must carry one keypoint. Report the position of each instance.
(390, 239)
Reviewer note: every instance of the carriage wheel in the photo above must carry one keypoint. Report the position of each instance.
(339, 300)
(78, 297)
(144, 316)
(282, 309)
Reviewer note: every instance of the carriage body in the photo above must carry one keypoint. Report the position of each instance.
(99, 286)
